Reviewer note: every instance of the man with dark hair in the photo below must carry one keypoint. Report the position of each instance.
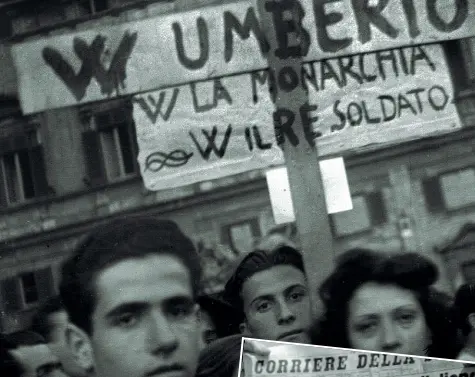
(25, 354)
(218, 319)
(130, 291)
(50, 321)
(270, 289)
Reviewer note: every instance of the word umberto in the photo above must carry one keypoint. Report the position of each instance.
(366, 17)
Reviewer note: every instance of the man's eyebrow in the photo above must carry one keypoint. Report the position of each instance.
(181, 299)
(129, 307)
(263, 297)
(292, 287)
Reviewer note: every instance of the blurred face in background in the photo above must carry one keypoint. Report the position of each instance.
(58, 322)
(277, 305)
(38, 361)
(387, 318)
(207, 329)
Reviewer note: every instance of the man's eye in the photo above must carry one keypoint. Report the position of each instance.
(126, 320)
(297, 296)
(181, 311)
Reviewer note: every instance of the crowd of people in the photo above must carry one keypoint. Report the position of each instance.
(130, 305)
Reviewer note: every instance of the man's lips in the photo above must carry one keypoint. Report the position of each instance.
(290, 333)
(165, 369)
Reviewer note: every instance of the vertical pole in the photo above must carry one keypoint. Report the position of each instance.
(289, 41)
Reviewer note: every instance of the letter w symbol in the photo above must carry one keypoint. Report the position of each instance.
(157, 106)
(211, 142)
(110, 80)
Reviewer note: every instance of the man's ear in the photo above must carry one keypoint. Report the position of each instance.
(80, 345)
(471, 320)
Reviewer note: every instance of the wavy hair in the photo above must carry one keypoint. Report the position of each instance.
(410, 271)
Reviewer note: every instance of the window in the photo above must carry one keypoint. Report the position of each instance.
(22, 169)
(369, 210)
(5, 25)
(30, 17)
(110, 146)
(240, 236)
(461, 58)
(93, 6)
(27, 289)
(450, 191)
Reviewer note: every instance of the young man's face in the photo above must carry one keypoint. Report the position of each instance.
(145, 321)
(37, 360)
(277, 304)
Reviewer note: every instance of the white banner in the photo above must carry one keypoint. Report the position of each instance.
(215, 128)
(172, 49)
(301, 360)
(204, 131)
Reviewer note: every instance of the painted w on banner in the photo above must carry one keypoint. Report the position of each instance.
(109, 79)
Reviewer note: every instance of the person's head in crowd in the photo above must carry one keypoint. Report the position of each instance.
(280, 235)
(384, 302)
(130, 290)
(220, 358)
(270, 289)
(217, 319)
(26, 354)
(464, 310)
(50, 321)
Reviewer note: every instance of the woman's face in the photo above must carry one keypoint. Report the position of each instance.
(387, 318)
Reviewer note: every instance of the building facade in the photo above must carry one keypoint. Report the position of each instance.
(64, 171)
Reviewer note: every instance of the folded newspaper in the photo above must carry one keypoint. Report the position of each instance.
(288, 359)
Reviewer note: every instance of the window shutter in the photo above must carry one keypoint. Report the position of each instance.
(134, 144)
(93, 154)
(45, 283)
(38, 171)
(11, 294)
(433, 194)
(376, 208)
(454, 54)
(3, 193)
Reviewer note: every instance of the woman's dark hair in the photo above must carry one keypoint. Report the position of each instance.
(410, 271)
(220, 358)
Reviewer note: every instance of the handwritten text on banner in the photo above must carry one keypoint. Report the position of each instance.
(225, 126)
(172, 49)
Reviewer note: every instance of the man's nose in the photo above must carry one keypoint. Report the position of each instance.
(161, 336)
(390, 340)
(285, 313)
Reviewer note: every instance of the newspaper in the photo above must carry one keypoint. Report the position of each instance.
(288, 359)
